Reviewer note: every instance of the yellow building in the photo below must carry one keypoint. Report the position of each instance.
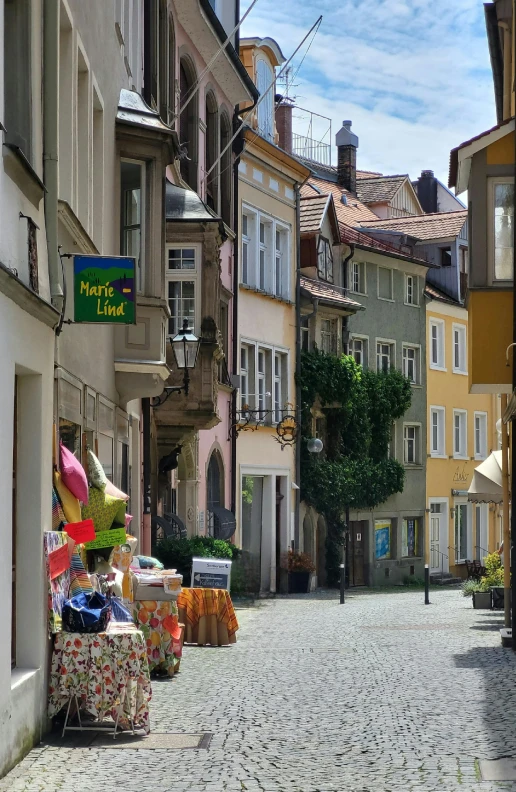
(461, 434)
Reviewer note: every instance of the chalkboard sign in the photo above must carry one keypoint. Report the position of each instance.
(211, 573)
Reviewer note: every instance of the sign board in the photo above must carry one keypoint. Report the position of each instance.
(58, 561)
(115, 536)
(81, 532)
(104, 289)
(211, 573)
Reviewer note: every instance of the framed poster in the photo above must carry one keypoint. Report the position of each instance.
(382, 535)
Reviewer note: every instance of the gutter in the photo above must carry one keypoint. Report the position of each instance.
(50, 142)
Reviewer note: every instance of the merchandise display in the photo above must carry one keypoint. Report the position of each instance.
(158, 621)
(208, 615)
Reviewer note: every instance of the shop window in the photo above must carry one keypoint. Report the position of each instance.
(106, 436)
(133, 213)
(410, 538)
(383, 537)
(462, 527)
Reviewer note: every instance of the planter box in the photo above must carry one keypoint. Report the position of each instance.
(482, 600)
(498, 593)
(298, 582)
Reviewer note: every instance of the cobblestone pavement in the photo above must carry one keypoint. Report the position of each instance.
(380, 694)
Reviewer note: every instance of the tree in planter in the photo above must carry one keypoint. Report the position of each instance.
(354, 471)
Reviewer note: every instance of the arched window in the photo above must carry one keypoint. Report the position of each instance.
(211, 152)
(188, 125)
(226, 174)
(265, 110)
(214, 490)
(171, 72)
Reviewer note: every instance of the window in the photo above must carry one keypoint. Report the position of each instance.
(502, 218)
(411, 368)
(17, 76)
(224, 333)
(226, 171)
(325, 259)
(391, 447)
(384, 355)
(265, 254)
(411, 290)
(247, 221)
(181, 278)
(357, 277)
(211, 150)
(278, 387)
(462, 519)
(244, 377)
(358, 350)
(132, 181)
(188, 123)
(263, 380)
(460, 434)
(329, 336)
(446, 257)
(480, 435)
(437, 431)
(305, 333)
(411, 444)
(385, 291)
(280, 288)
(382, 537)
(265, 110)
(459, 349)
(437, 359)
(410, 538)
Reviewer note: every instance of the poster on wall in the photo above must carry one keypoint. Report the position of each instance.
(409, 538)
(382, 533)
(104, 289)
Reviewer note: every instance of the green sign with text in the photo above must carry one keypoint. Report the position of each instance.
(104, 289)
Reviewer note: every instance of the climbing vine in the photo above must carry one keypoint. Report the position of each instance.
(354, 469)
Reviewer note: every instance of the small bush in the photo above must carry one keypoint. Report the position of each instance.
(494, 576)
(469, 587)
(178, 553)
(412, 580)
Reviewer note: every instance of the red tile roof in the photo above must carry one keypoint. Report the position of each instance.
(329, 294)
(424, 227)
(312, 212)
(377, 189)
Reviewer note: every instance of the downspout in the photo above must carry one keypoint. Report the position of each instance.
(512, 578)
(50, 141)
(344, 271)
(146, 526)
(297, 517)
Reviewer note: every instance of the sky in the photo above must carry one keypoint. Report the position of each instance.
(412, 75)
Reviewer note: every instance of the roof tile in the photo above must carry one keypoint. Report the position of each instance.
(423, 227)
(327, 293)
(377, 189)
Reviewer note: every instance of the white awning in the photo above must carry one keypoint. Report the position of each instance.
(486, 484)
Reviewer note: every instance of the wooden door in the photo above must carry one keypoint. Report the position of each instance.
(356, 553)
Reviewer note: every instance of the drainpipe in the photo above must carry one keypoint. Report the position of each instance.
(297, 527)
(50, 141)
(344, 270)
(513, 432)
(146, 526)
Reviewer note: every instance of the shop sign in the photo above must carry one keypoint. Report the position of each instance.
(211, 573)
(104, 289)
(81, 532)
(115, 536)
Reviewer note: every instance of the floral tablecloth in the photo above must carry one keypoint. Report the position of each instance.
(208, 615)
(159, 623)
(108, 672)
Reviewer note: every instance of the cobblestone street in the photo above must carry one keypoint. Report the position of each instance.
(380, 694)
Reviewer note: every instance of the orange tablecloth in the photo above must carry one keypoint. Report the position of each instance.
(208, 615)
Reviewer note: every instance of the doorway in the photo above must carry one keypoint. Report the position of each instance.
(214, 492)
(356, 553)
(439, 556)
(481, 532)
(252, 510)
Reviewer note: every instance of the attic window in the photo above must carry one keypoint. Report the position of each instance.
(446, 258)
(325, 259)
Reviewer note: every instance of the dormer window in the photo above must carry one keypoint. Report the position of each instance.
(265, 109)
(325, 260)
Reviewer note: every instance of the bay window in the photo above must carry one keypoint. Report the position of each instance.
(501, 221)
(182, 286)
(132, 177)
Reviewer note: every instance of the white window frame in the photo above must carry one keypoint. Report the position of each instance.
(460, 452)
(392, 345)
(480, 448)
(414, 289)
(264, 382)
(364, 340)
(305, 332)
(461, 332)
(247, 246)
(186, 275)
(362, 277)
(387, 269)
(417, 362)
(245, 374)
(332, 335)
(141, 268)
(255, 248)
(469, 536)
(417, 444)
(438, 452)
(441, 344)
(492, 181)
(325, 250)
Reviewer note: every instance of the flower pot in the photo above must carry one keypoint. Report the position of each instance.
(482, 600)
(298, 582)
(498, 597)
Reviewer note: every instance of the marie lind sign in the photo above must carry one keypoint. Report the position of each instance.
(104, 289)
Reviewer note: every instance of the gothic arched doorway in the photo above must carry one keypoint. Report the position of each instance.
(214, 491)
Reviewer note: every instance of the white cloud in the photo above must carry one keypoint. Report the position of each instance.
(413, 76)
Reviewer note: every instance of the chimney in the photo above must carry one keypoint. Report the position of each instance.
(347, 144)
(426, 189)
(284, 122)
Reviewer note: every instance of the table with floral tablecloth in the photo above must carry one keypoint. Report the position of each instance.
(208, 616)
(157, 620)
(107, 672)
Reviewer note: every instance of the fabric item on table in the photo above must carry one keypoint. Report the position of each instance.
(101, 509)
(108, 672)
(120, 560)
(110, 489)
(120, 513)
(70, 504)
(153, 618)
(197, 602)
(72, 474)
(96, 472)
(58, 515)
(59, 587)
(80, 582)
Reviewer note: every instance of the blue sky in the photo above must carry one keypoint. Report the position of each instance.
(412, 75)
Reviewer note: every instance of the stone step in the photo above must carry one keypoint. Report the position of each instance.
(445, 580)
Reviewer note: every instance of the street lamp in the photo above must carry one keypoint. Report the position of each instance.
(314, 445)
(186, 349)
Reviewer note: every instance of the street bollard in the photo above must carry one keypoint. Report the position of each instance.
(427, 584)
(342, 582)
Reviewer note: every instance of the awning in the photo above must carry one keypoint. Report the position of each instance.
(486, 484)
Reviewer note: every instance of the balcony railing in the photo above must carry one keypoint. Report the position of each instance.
(311, 149)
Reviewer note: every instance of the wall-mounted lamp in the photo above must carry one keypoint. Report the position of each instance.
(186, 349)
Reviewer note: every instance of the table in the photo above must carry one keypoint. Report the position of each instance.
(163, 634)
(107, 673)
(208, 616)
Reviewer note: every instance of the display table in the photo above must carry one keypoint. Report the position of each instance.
(160, 626)
(107, 674)
(208, 616)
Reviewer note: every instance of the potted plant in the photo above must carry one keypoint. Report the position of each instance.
(300, 566)
(481, 595)
(493, 579)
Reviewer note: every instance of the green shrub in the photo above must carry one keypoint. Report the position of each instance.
(178, 553)
(494, 576)
(412, 580)
(469, 587)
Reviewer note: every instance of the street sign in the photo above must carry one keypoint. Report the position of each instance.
(104, 290)
(211, 573)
